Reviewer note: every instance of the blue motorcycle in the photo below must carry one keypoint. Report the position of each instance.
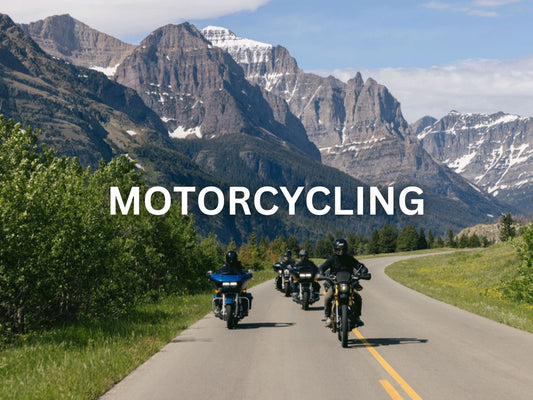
(231, 302)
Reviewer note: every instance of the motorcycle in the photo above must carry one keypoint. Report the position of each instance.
(344, 286)
(231, 301)
(283, 278)
(307, 289)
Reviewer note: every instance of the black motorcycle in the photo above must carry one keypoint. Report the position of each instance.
(342, 315)
(283, 278)
(307, 289)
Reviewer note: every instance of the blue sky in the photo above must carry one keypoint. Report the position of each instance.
(387, 33)
(434, 56)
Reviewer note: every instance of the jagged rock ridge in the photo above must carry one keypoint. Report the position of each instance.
(493, 151)
(357, 126)
(199, 90)
(67, 38)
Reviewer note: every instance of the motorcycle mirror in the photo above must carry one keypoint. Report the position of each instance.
(250, 272)
(209, 273)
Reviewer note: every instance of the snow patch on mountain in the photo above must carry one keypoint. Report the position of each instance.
(107, 71)
(245, 51)
(181, 133)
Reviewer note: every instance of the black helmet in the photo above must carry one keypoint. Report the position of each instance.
(340, 246)
(303, 253)
(231, 257)
(287, 254)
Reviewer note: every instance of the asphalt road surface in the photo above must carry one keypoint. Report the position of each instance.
(411, 347)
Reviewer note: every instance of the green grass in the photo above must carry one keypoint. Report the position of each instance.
(83, 360)
(472, 280)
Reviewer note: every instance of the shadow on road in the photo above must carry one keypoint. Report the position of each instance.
(377, 342)
(257, 325)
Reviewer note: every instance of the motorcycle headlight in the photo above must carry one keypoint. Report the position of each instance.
(307, 275)
(229, 284)
(286, 272)
(343, 288)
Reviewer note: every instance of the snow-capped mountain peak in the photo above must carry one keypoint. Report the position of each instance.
(242, 50)
(495, 151)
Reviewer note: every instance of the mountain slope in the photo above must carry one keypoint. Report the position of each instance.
(198, 90)
(357, 126)
(495, 152)
(82, 112)
(67, 38)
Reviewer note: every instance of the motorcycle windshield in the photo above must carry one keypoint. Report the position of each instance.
(343, 277)
(241, 280)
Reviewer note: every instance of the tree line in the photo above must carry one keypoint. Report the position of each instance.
(258, 252)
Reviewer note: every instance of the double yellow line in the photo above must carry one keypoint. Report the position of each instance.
(386, 384)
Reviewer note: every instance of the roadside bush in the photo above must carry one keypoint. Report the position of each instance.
(521, 287)
(62, 255)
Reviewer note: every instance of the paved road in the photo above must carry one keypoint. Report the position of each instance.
(411, 347)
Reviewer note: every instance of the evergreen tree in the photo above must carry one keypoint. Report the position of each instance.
(373, 245)
(407, 239)
(506, 227)
(323, 248)
(292, 245)
(474, 241)
(387, 239)
(431, 239)
(451, 239)
(462, 242)
(422, 242)
(307, 245)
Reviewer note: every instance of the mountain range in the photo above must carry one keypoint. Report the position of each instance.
(211, 107)
(495, 152)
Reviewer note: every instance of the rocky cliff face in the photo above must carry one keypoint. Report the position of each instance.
(81, 112)
(67, 38)
(357, 126)
(493, 151)
(199, 90)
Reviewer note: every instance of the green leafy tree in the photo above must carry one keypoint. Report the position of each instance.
(62, 254)
(521, 287)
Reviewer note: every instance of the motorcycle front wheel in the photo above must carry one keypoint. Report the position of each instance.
(305, 300)
(344, 325)
(231, 321)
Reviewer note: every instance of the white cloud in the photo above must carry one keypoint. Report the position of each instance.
(477, 8)
(121, 17)
(475, 85)
(494, 3)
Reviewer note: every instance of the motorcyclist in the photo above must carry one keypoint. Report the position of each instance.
(342, 261)
(306, 263)
(286, 261)
(232, 266)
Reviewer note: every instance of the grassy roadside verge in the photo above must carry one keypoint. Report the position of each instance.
(83, 360)
(473, 281)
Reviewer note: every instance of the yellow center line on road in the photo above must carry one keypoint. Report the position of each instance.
(390, 390)
(405, 386)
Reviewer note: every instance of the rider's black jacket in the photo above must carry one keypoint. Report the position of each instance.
(338, 263)
(286, 263)
(307, 265)
(228, 269)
